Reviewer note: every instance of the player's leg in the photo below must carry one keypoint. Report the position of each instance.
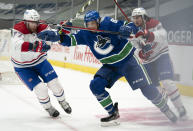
(174, 96)
(30, 78)
(164, 67)
(58, 92)
(137, 77)
(105, 77)
(50, 77)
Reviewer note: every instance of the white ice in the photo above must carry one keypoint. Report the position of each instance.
(20, 110)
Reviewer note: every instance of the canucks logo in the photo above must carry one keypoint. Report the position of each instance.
(102, 45)
(102, 41)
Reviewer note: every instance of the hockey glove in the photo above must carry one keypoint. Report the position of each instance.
(49, 35)
(40, 46)
(143, 55)
(125, 31)
(149, 36)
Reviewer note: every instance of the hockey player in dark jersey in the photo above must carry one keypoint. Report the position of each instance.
(117, 57)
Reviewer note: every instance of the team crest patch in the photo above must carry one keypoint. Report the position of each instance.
(102, 41)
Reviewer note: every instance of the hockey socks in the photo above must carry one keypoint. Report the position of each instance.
(161, 102)
(106, 102)
(174, 95)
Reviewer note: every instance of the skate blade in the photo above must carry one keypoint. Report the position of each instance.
(111, 123)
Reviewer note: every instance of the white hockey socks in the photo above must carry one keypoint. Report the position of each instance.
(173, 93)
(41, 92)
(57, 89)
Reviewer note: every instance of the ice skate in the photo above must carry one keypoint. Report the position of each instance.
(53, 112)
(111, 120)
(65, 106)
(182, 113)
(170, 115)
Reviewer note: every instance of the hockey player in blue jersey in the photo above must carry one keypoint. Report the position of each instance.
(29, 57)
(117, 58)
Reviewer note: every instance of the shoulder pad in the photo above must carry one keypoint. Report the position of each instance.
(41, 27)
(152, 23)
(21, 27)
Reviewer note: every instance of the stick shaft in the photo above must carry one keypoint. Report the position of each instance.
(122, 11)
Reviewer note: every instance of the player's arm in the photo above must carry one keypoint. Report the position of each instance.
(160, 34)
(112, 24)
(20, 45)
(124, 28)
(62, 37)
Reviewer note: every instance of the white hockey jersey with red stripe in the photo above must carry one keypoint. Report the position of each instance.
(20, 36)
(159, 42)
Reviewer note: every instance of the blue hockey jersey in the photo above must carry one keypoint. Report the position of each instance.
(107, 48)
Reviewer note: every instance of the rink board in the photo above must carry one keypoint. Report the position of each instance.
(184, 90)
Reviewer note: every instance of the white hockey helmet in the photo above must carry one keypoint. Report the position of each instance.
(31, 15)
(139, 11)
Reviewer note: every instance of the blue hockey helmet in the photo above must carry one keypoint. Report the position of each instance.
(92, 15)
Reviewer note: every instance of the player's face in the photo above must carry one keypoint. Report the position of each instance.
(138, 21)
(92, 25)
(32, 26)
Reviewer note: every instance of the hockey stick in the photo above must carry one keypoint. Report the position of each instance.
(74, 27)
(82, 9)
(88, 29)
(122, 11)
(139, 39)
(81, 28)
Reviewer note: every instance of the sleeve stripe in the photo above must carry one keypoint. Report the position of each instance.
(25, 47)
(73, 40)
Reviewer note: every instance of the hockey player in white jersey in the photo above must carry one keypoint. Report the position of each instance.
(29, 57)
(155, 56)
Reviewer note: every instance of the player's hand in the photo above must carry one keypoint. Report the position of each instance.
(147, 48)
(139, 34)
(40, 46)
(125, 31)
(49, 35)
(149, 36)
(143, 55)
(62, 29)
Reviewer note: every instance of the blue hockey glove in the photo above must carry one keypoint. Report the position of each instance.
(49, 35)
(40, 46)
(125, 31)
